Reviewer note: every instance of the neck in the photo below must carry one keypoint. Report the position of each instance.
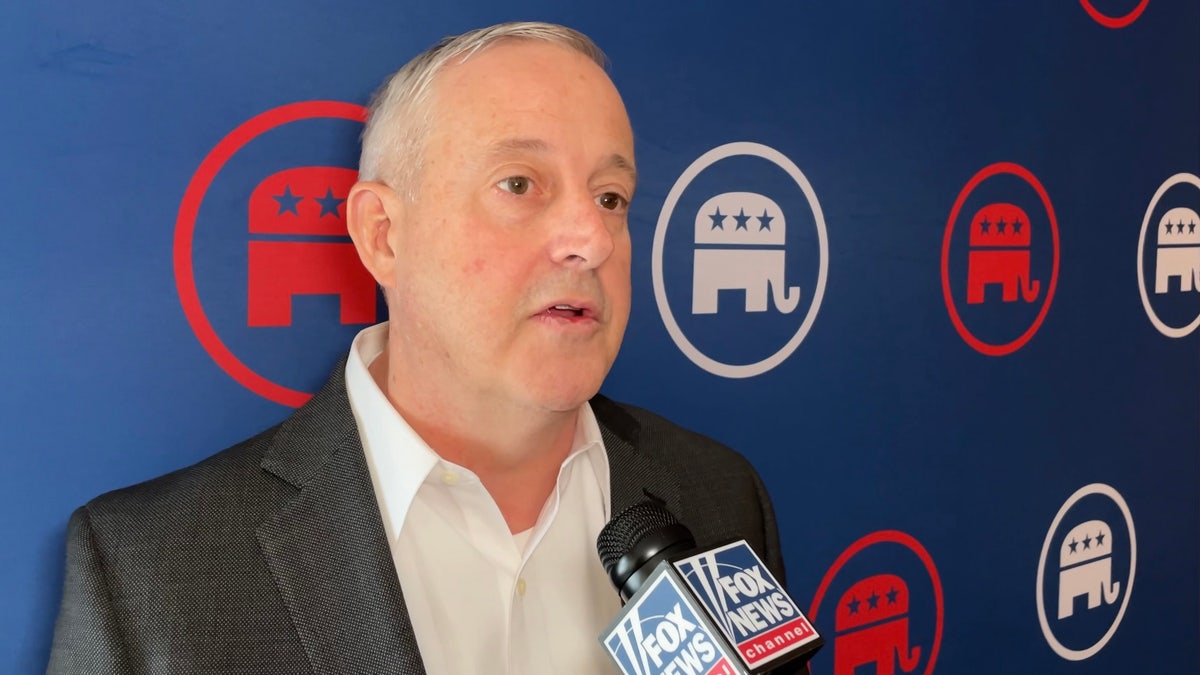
(516, 453)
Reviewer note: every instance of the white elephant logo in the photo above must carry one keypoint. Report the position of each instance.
(751, 232)
(1178, 250)
(1085, 567)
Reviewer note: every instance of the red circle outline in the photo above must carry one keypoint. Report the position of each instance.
(185, 230)
(907, 541)
(983, 174)
(1114, 21)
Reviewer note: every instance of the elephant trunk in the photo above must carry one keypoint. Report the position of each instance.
(786, 298)
(1031, 289)
(1111, 590)
(909, 662)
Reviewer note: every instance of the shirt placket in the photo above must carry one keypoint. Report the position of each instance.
(484, 527)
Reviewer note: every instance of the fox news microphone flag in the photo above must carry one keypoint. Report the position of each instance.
(718, 611)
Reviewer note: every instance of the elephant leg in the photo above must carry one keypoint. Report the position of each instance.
(977, 266)
(880, 644)
(1160, 280)
(1010, 289)
(1103, 583)
(853, 650)
(974, 290)
(1014, 269)
(1068, 590)
(756, 294)
(279, 271)
(1162, 271)
(705, 279)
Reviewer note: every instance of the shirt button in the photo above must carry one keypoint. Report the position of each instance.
(449, 477)
(521, 587)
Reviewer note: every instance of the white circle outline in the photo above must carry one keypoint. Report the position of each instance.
(660, 235)
(1169, 331)
(1085, 491)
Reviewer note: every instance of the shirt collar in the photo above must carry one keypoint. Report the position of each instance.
(400, 460)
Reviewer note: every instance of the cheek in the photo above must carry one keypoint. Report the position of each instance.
(491, 259)
(474, 267)
(618, 268)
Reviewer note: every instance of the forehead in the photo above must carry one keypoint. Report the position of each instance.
(530, 66)
(520, 87)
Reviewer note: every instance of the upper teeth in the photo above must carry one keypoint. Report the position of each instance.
(563, 307)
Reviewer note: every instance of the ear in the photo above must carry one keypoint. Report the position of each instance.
(372, 211)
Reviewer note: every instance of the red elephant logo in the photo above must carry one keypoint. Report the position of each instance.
(1000, 254)
(306, 201)
(872, 627)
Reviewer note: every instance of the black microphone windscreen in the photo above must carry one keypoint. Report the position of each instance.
(628, 528)
(636, 540)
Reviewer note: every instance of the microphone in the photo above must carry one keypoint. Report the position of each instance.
(690, 611)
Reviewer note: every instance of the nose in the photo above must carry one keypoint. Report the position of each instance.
(581, 237)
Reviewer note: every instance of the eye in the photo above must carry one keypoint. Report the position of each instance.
(517, 185)
(612, 201)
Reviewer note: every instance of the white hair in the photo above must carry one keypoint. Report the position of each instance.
(400, 114)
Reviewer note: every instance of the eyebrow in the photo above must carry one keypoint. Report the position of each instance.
(538, 146)
(508, 145)
(618, 161)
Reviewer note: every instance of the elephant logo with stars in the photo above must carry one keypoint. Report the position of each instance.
(1086, 571)
(739, 279)
(1000, 259)
(882, 601)
(1168, 257)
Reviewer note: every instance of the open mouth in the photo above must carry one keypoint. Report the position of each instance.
(566, 311)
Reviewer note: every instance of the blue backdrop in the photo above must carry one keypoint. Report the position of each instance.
(931, 266)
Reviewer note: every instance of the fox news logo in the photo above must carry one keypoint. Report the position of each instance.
(749, 605)
(660, 634)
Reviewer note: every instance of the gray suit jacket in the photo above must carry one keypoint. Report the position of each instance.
(270, 557)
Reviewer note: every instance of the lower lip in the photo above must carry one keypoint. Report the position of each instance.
(566, 319)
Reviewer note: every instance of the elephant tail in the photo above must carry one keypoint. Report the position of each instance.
(1031, 289)
(786, 298)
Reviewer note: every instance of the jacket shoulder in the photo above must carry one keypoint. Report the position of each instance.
(683, 449)
(229, 482)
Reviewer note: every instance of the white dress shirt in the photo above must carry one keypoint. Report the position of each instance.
(481, 599)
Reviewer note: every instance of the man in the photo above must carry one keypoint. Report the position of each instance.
(434, 508)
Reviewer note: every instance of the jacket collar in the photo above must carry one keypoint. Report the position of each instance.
(326, 549)
(635, 473)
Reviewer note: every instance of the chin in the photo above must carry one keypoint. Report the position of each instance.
(565, 400)
(565, 392)
(561, 381)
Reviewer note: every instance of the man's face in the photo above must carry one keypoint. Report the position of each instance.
(512, 268)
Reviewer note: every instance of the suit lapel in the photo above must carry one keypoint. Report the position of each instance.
(327, 549)
(634, 473)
